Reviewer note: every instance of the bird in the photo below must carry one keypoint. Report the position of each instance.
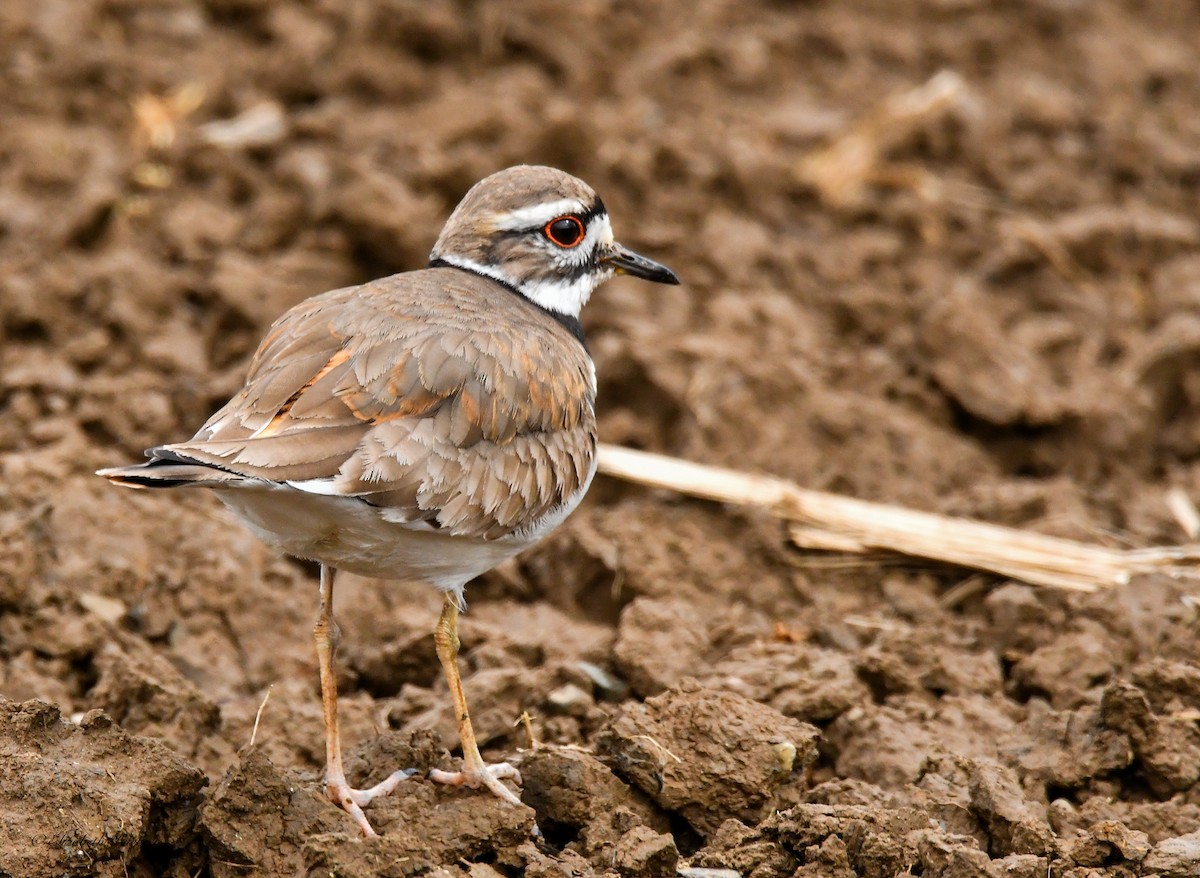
(424, 426)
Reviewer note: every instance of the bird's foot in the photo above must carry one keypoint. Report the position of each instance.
(483, 776)
(353, 801)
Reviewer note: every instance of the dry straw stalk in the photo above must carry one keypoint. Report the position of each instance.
(819, 520)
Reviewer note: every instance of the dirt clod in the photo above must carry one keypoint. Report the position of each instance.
(707, 755)
(1175, 857)
(89, 798)
(1167, 747)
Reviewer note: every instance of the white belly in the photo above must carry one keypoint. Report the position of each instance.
(348, 534)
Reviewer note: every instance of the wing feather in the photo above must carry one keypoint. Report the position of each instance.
(436, 395)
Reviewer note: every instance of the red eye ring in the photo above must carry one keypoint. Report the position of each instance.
(565, 231)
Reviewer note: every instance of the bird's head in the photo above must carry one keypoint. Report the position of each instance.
(543, 233)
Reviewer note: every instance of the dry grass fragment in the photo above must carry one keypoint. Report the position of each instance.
(263, 124)
(1184, 511)
(830, 522)
(258, 715)
(156, 118)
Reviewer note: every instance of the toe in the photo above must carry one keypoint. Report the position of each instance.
(346, 799)
(384, 788)
(449, 778)
(503, 771)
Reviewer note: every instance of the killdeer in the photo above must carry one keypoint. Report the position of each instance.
(427, 425)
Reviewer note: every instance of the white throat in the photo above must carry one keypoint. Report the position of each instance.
(563, 296)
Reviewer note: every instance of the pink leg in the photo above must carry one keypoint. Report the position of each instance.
(475, 772)
(326, 634)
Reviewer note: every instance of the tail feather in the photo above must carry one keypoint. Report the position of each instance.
(164, 473)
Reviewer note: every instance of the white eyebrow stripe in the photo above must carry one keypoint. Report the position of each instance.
(537, 215)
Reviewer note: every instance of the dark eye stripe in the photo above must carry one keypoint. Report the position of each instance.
(576, 271)
(596, 210)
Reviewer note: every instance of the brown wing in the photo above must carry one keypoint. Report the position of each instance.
(437, 395)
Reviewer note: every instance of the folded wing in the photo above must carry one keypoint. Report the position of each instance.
(470, 411)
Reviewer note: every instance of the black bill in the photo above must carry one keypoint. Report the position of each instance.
(627, 262)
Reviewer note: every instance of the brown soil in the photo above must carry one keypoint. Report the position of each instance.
(1018, 343)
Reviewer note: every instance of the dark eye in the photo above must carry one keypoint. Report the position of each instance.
(566, 231)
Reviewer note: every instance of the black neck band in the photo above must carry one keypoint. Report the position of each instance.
(571, 324)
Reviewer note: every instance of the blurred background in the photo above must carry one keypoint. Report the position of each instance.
(944, 254)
